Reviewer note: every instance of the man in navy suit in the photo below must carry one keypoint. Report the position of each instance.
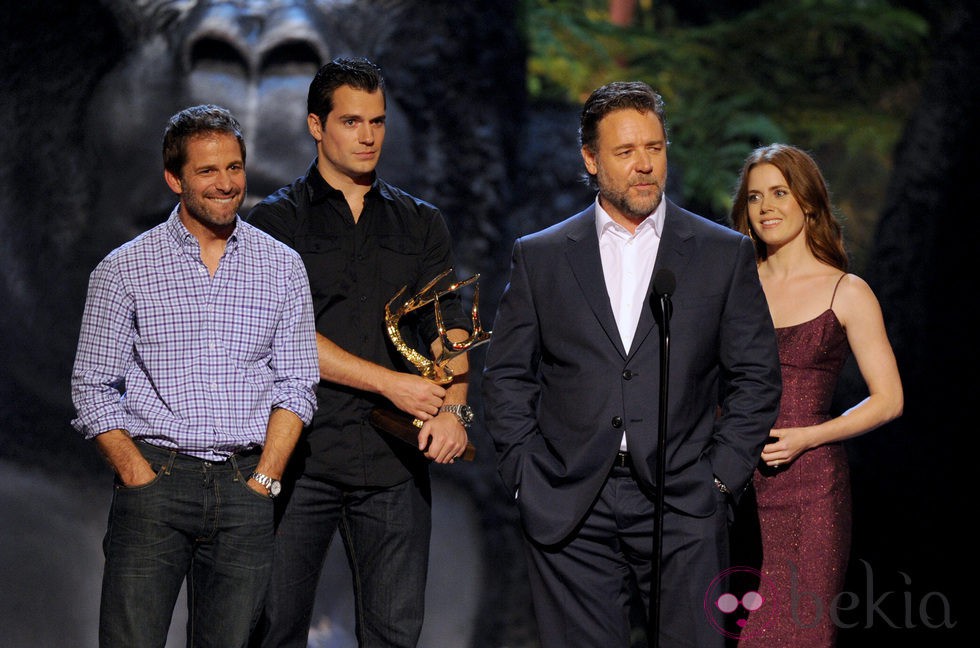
(571, 389)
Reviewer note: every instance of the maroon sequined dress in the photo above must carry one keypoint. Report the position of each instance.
(804, 508)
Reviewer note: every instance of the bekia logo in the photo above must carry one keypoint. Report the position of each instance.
(734, 595)
(731, 597)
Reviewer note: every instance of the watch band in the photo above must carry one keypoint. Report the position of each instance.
(271, 485)
(461, 411)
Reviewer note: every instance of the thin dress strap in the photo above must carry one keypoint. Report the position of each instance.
(835, 289)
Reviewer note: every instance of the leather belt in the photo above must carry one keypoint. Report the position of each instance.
(623, 460)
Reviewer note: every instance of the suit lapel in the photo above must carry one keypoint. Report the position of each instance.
(582, 252)
(673, 254)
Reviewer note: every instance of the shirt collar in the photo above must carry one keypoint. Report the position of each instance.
(321, 190)
(604, 222)
(182, 235)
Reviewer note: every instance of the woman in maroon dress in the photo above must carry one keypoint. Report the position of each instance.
(821, 313)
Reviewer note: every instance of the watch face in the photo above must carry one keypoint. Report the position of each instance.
(275, 487)
(464, 412)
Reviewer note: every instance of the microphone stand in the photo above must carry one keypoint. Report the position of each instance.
(663, 286)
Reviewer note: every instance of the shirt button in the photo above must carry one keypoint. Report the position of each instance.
(617, 422)
(363, 298)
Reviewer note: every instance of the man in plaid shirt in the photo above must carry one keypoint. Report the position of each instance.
(195, 374)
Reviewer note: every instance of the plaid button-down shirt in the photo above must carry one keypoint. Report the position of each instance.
(192, 362)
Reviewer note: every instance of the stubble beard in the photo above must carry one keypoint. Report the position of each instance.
(635, 209)
(203, 213)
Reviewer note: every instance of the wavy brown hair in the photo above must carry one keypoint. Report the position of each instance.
(823, 231)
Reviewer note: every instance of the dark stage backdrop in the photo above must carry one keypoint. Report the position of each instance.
(86, 90)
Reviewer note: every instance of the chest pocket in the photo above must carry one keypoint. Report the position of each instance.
(399, 261)
(325, 261)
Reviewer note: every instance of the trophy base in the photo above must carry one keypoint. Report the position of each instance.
(406, 429)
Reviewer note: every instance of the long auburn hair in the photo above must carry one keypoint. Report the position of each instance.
(823, 231)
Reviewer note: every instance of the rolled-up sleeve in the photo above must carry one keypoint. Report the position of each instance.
(294, 355)
(105, 349)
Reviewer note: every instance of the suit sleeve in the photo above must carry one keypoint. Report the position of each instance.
(510, 383)
(750, 385)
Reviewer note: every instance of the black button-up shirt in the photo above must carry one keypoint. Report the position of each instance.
(354, 270)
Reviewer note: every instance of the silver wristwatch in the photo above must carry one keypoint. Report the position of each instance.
(462, 411)
(271, 485)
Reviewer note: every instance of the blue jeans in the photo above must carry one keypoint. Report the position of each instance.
(385, 532)
(196, 519)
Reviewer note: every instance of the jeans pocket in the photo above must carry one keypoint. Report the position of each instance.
(158, 468)
(243, 477)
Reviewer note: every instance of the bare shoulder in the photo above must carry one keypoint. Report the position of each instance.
(852, 286)
(855, 300)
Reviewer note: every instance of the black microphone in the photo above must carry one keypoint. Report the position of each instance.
(664, 284)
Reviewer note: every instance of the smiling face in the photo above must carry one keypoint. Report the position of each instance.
(630, 164)
(349, 138)
(211, 183)
(775, 215)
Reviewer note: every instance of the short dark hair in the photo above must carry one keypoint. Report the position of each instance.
(356, 72)
(194, 122)
(618, 95)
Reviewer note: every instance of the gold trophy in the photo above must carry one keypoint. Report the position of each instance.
(397, 423)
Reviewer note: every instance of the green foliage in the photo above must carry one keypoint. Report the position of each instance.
(571, 46)
(834, 75)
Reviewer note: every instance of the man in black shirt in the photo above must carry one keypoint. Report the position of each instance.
(361, 240)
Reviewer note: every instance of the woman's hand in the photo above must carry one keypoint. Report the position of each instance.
(785, 446)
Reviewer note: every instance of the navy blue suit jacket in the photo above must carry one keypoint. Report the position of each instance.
(559, 388)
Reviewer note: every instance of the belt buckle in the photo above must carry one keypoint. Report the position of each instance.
(623, 459)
